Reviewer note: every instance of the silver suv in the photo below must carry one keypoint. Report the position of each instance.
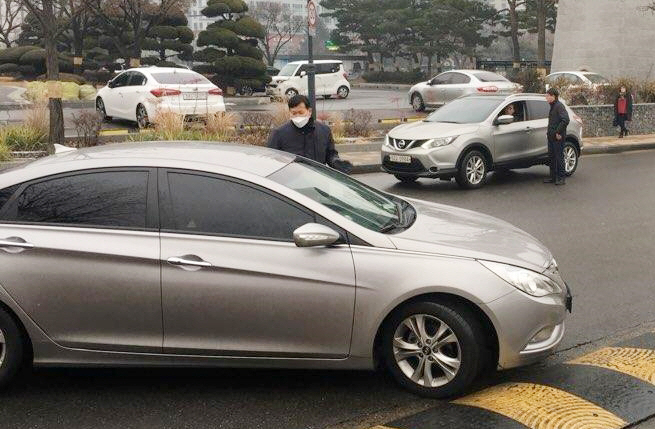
(475, 134)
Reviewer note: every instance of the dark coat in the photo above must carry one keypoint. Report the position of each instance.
(313, 141)
(628, 110)
(558, 120)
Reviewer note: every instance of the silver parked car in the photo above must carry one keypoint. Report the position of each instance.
(450, 85)
(475, 134)
(229, 255)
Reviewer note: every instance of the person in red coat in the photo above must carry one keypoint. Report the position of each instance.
(623, 111)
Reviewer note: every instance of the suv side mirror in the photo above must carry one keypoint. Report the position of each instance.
(303, 73)
(315, 235)
(504, 120)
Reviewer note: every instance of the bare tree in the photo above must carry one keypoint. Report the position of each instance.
(514, 33)
(53, 17)
(129, 22)
(10, 14)
(280, 26)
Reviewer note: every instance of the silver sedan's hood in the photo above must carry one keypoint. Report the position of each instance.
(447, 230)
(430, 130)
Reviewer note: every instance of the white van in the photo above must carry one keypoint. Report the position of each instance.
(331, 79)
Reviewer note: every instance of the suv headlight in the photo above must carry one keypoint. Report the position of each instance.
(528, 281)
(386, 141)
(443, 141)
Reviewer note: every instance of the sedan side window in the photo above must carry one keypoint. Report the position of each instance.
(137, 79)
(121, 80)
(215, 206)
(442, 79)
(5, 195)
(102, 199)
(459, 78)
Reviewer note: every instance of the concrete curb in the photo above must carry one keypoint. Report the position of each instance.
(88, 104)
(366, 168)
(246, 101)
(592, 150)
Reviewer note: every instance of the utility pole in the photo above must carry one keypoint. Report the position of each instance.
(312, 18)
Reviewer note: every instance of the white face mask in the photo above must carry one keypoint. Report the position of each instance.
(300, 121)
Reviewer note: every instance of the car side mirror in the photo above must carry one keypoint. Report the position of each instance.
(431, 82)
(303, 73)
(315, 235)
(504, 120)
(110, 84)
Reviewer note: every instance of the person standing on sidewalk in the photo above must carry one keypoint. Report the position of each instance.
(305, 137)
(558, 120)
(623, 110)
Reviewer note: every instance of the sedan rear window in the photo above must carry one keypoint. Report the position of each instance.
(468, 110)
(489, 77)
(180, 78)
(595, 78)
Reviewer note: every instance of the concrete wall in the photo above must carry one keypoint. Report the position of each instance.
(598, 120)
(611, 37)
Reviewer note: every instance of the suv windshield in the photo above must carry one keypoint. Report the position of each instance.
(351, 199)
(288, 70)
(595, 78)
(468, 110)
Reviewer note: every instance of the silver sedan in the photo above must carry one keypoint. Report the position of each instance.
(184, 254)
(452, 84)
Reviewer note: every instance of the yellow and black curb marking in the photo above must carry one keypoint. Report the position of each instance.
(609, 388)
(399, 120)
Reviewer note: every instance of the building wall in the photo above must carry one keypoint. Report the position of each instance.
(611, 37)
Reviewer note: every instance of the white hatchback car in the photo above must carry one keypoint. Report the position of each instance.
(140, 94)
(331, 79)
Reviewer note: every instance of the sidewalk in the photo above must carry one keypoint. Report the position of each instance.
(366, 156)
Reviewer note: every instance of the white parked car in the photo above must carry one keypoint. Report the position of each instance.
(140, 94)
(452, 84)
(577, 78)
(331, 79)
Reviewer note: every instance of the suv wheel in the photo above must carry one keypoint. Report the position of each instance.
(472, 170)
(570, 154)
(406, 179)
(417, 102)
(432, 349)
(11, 348)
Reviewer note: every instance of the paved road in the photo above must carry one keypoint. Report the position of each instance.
(600, 227)
(6, 93)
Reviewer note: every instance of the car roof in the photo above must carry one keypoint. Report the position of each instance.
(317, 62)
(259, 161)
(162, 69)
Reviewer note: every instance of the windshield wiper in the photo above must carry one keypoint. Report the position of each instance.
(394, 223)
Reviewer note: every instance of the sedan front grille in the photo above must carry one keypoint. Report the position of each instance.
(404, 144)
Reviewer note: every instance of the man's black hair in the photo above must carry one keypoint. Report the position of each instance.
(553, 91)
(296, 100)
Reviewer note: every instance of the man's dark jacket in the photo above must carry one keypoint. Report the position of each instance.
(558, 120)
(628, 110)
(313, 141)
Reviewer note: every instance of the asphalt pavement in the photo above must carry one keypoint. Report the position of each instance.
(599, 227)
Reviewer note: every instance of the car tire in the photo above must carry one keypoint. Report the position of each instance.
(406, 179)
(571, 158)
(12, 348)
(417, 102)
(291, 93)
(473, 169)
(142, 119)
(343, 92)
(443, 373)
(247, 91)
(100, 108)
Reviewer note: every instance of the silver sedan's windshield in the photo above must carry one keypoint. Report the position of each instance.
(467, 110)
(346, 196)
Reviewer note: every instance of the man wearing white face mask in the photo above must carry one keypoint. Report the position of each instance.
(305, 137)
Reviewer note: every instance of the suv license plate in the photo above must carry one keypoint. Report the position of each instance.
(400, 158)
(194, 95)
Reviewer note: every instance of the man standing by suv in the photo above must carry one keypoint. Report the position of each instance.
(558, 119)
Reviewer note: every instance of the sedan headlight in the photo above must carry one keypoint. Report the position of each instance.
(528, 281)
(443, 141)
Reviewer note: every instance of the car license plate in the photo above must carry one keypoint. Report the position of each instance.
(400, 158)
(194, 95)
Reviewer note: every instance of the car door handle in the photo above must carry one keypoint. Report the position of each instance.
(14, 243)
(188, 260)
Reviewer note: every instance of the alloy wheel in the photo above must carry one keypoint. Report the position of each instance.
(291, 93)
(570, 159)
(342, 92)
(417, 102)
(141, 116)
(427, 350)
(475, 170)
